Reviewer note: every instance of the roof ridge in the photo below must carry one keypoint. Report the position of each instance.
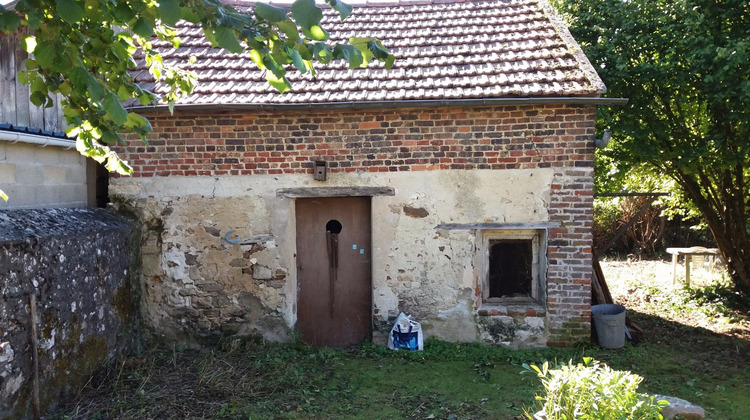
(367, 3)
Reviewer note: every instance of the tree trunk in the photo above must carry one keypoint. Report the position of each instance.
(727, 224)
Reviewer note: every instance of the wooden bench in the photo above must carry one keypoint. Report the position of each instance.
(688, 253)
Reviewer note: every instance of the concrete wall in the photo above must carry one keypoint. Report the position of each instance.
(77, 262)
(33, 176)
(530, 165)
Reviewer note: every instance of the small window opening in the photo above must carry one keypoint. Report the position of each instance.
(334, 226)
(513, 266)
(510, 268)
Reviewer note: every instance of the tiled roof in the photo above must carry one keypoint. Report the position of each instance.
(445, 50)
(28, 130)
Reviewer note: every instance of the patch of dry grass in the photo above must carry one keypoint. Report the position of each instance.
(709, 302)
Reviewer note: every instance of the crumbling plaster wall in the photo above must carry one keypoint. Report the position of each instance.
(199, 287)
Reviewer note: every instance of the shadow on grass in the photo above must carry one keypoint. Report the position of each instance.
(693, 363)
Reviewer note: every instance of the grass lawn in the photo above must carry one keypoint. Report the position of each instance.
(696, 347)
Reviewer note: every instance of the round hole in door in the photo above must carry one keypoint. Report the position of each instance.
(333, 226)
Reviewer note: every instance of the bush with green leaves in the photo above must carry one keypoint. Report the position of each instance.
(591, 390)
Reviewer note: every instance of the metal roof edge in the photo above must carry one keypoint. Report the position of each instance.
(10, 5)
(426, 103)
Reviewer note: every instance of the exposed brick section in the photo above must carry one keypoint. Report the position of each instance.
(556, 136)
(525, 137)
(569, 252)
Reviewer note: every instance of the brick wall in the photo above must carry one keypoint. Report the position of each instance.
(375, 141)
(513, 137)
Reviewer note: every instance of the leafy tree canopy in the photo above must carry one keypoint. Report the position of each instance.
(684, 66)
(83, 50)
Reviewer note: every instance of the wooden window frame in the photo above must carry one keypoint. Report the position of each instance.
(538, 238)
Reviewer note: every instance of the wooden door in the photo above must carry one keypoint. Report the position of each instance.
(334, 305)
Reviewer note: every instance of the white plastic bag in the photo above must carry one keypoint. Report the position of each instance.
(406, 334)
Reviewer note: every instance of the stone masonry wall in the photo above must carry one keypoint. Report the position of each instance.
(204, 174)
(77, 262)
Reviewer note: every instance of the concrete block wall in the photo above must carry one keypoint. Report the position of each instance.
(211, 166)
(36, 177)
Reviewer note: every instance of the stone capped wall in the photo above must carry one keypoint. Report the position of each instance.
(205, 174)
(78, 263)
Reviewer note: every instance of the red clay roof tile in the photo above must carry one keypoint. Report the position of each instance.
(445, 49)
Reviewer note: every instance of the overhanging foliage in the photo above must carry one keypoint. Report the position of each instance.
(83, 50)
(683, 64)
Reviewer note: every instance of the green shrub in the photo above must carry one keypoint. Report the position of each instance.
(591, 390)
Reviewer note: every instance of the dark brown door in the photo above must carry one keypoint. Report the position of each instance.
(334, 306)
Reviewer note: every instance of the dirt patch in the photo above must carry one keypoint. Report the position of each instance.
(696, 315)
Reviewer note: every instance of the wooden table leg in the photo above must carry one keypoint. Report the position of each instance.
(688, 262)
(674, 269)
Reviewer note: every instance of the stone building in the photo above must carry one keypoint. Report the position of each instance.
(456, 187)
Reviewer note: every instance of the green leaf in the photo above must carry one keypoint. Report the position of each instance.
(378, 50)
(270, 64)
(114, 108)
(143, 28)
(45, 53)
(226, 39)
(123, 93)
(9, 21)
(316, 32)
(190, 14)
(345, 10)
(321, 52)
(123, 13)
(38, 98)
(270, 13)
(65, 89)
(24, 77)
(304, 51)
(170, 11)
(109, 137)
(96, 90)
(280, 83)
(71, 112)
(306, 13)
(280, 53)
(289, 29)
(136, 121)
(350, 53)
(79, 77)
(299, 63)
(29, 43)
(38, 85)
(69, 10)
